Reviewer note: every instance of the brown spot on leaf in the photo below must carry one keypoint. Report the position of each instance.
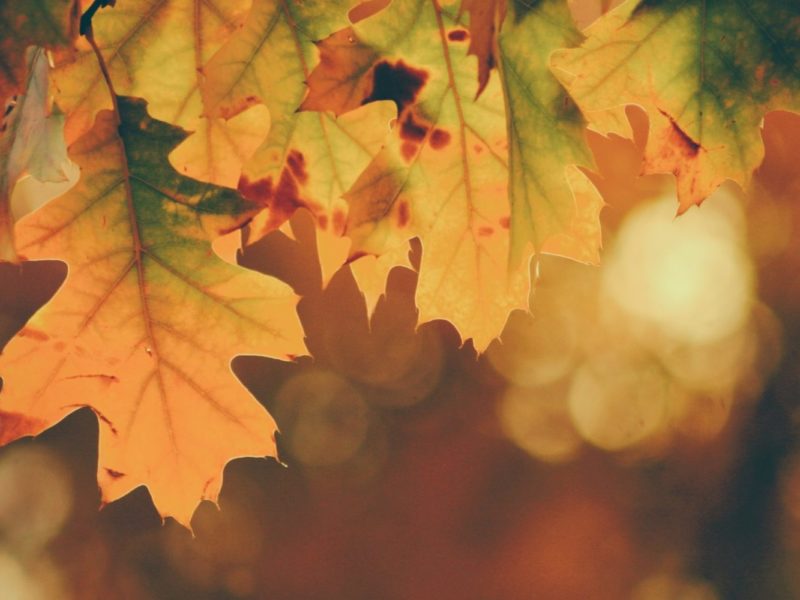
(409, 150)
(322, 221)
(439, 139)
(683, 140)
(339, 221)
(283, 200)
(35, 334)
(106, 420)
(485, 231)
(411, 129)
(297, 165)
(457, 35)
(259, 191)
(398, 82)
(286, 200)
(101, 376)
(505, 222)
(403, 214)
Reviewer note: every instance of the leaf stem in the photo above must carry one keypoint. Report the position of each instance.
(87, 31)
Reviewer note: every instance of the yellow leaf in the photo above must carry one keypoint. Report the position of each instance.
(156, 49)
(444, 173)
(309, 159)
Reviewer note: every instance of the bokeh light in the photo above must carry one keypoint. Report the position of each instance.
(35, 498)
(666, 587)
(689, 278)
(324, 418)
(618, 400)
(539, 423)
(539, 350)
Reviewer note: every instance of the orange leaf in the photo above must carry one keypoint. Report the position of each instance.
(148, 320)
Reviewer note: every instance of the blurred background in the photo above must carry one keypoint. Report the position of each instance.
(634, 436)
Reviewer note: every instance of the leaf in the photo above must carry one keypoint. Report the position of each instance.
(485, 17)
(554, 206)
(309, 159)
(144, 328)
(45, 23)
(32, 143)
(444, 174)
(705, 71)
(156, 49)
(268, 60)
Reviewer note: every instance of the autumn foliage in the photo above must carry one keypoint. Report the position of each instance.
(199, 127)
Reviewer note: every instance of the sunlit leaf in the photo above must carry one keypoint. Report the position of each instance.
(554, 206)
(148, 320)
(444, 176)
(309, 159)
(706, 71)
(156, 49)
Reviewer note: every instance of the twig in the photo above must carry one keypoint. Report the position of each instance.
(87, 31)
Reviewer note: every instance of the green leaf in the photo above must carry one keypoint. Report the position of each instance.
(706, 72)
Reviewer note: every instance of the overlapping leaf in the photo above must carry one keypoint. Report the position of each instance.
(444, 175)
(706, 71)
(554, 206)
(308, 159)
(32, 143)
(44, 23)
(156, 49)
(148, 320)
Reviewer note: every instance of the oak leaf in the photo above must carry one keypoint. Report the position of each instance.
(444, 174)
(309, 159)
(148, 320)
(156, 49)
(705, 71)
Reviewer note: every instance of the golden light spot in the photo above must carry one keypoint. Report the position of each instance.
(535, 351)
(617, 401)
(667, 587)
(35, 498)
(539, 423)
(690, 277)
